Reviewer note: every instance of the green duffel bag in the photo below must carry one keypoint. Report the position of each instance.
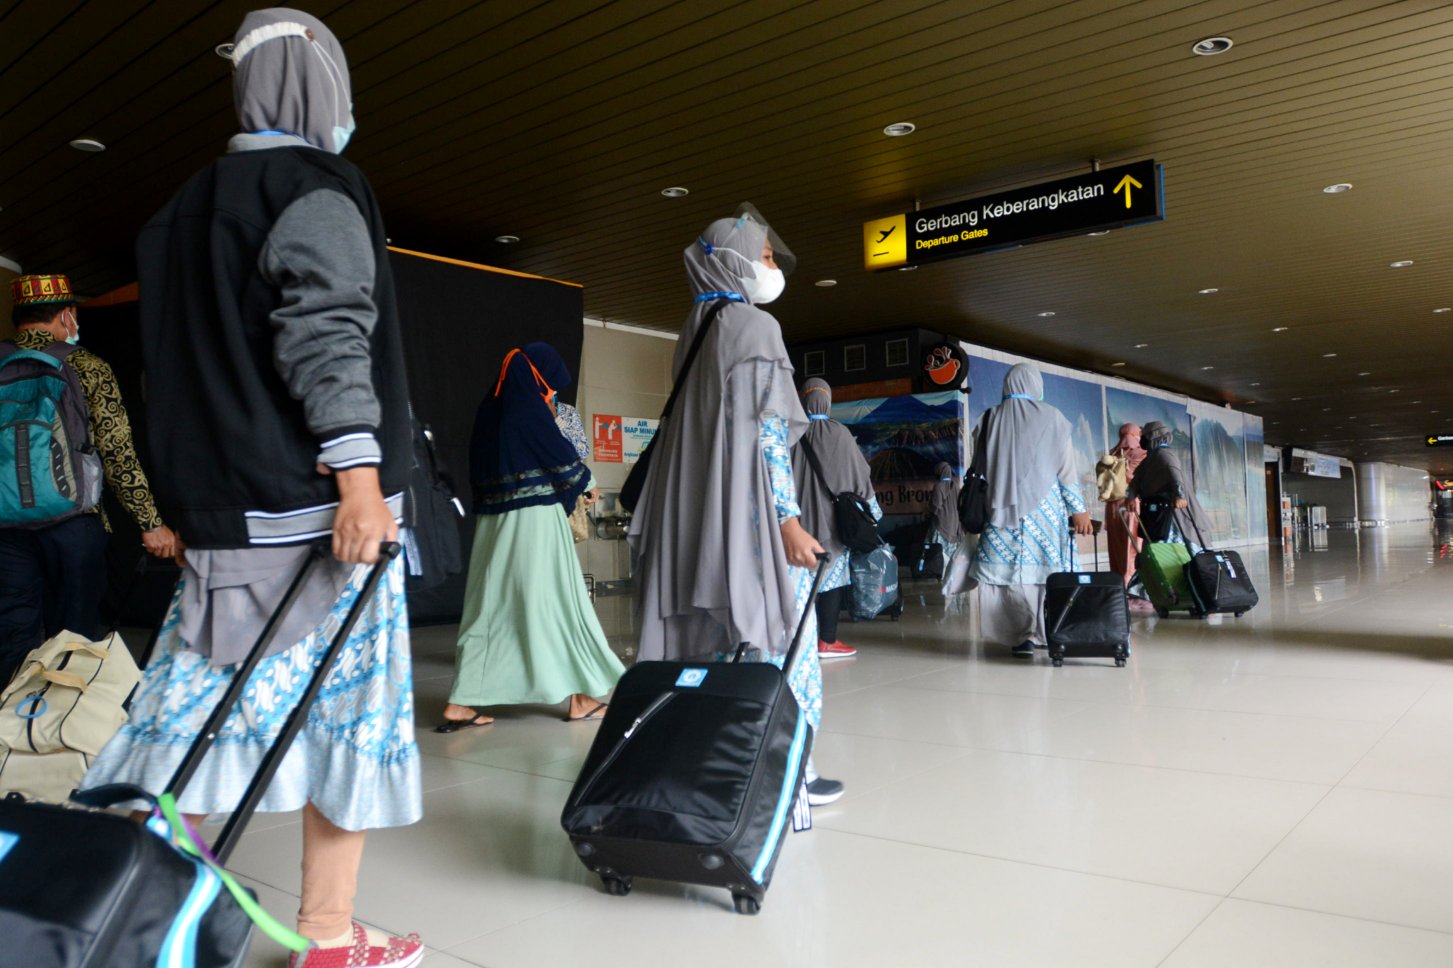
(1162, 569)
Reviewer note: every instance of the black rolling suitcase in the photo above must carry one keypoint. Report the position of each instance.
(1219, 582)
(694, 775)
(930, 562)
(1086, 614)
(88, 889)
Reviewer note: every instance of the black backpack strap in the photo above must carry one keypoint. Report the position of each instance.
(701, 331)
(816, 467)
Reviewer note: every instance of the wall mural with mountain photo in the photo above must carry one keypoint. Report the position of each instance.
(1219, 454)
(904, 439)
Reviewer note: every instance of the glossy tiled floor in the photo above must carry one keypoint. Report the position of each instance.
(1272, 791)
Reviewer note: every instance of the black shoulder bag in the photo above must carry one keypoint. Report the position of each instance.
(630, 494)
(851, 515)
(974, 498)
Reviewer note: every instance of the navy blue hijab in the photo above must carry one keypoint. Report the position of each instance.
(518, 457)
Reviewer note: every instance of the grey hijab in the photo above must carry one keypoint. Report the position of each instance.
(943, 507)
(1026, 446)
(843, 466)
(290, 76)
(711, 566)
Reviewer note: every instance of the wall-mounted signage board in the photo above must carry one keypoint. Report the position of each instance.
(1439, 440)
(1095, 201)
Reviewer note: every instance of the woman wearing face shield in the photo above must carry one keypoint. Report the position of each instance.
(1034, 502)
(722, 557)
(529, 633)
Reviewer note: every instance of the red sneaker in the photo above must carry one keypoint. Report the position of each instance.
(835, 650)
(396, 952)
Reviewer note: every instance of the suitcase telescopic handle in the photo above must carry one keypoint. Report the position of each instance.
(823, 561)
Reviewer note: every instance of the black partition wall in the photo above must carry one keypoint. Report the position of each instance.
(459, 321)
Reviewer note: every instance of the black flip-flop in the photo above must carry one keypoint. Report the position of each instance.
(594, 716)
(455, 725)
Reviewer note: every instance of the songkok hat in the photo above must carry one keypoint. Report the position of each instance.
(35, 290)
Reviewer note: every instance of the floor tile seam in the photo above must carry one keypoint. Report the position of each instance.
(1293, 828)
(962, 754)
(963, 852)
(1343, 785)
(1342, 781)
(1161, 705)
(1156, 766)
(1220, 903)
(1338, 914)
(910, 742)
(492, 766)
(453, 953)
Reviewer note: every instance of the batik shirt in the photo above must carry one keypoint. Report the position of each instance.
(110, 431)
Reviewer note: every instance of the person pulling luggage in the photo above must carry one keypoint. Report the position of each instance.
(279, 416)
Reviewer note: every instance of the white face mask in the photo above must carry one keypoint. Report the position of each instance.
(768, 284)
(76, 337)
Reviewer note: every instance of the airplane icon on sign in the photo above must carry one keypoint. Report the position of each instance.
(883, 236)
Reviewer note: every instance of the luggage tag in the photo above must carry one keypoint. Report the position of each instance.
(1230, 568)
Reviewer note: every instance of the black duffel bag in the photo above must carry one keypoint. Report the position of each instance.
(851, 515)
(432, 545)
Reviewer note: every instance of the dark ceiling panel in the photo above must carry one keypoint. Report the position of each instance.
(561, 120)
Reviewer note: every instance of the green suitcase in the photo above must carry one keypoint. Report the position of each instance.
(1162, 569)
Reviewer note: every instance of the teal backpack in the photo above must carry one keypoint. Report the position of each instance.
(49, 470)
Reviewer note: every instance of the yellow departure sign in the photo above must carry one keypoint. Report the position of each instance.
(1037, 213)
(885, 243)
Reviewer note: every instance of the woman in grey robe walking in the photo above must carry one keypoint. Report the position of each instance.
(844, 470)
(722, 557)
(1034, 502)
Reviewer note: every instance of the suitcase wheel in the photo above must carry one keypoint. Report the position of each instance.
(1162, 612)
(1120, 661)
(616, 886)
(1057, 661)
(1240, 613)
(746, 904)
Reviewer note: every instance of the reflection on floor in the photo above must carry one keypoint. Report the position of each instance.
(1273, 790)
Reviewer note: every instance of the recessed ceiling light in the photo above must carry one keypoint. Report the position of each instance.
(88, 144)
(1278, 329)
(1046, 314)
(899, 128)
(1365, 373)
(1417, 401)
(1444, 309)
(1141, 346)
(1328, 356)
(1338, 188)
(1400, 264)
(825, 283)
(1395, 390)
(1208, 367)
(1326, 409)
(675, 191)
(1208, 292)
(507, 239)
(1096, 235)
(1295, 399)
(1211, 46)
(224, 51)
(1117, 364)
(1256, 384)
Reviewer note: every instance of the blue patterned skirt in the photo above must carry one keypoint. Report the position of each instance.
(355, 760)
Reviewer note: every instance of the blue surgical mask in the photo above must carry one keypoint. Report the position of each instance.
(341, 136)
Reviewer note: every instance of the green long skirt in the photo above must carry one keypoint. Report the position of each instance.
(529, 633)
